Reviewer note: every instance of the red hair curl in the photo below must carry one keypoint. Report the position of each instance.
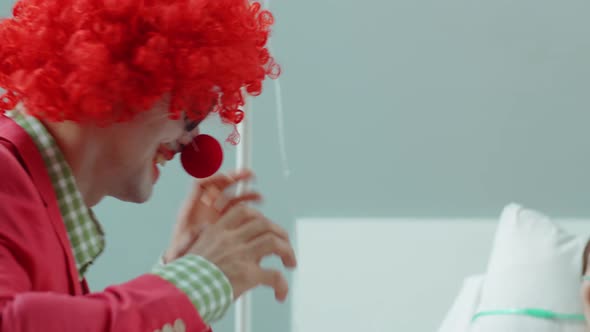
(103, 61)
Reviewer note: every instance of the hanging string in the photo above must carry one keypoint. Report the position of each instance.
(279, 110)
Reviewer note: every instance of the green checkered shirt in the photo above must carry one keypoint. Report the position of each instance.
(207, 287)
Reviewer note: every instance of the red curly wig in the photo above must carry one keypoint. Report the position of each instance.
(103, 61)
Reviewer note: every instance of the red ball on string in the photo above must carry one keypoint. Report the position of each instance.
(202, 157)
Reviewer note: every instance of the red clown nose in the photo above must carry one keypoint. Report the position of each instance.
(202, 157)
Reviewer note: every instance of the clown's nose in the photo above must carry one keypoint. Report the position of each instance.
(202, 157)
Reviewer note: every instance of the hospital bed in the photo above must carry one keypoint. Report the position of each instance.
(378, 275)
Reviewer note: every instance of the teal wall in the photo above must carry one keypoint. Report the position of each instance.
(401, 108)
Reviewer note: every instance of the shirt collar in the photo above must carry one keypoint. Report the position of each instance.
(84, 231)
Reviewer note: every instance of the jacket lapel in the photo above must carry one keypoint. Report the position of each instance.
(34, 163)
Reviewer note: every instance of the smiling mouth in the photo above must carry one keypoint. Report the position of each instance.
(165, 153)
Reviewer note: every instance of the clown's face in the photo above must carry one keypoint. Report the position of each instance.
(140, 147)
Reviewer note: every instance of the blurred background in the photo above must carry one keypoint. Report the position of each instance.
(398, 110)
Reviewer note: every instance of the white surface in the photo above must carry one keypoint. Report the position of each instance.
(534, 264)
(458, 318)
(386, 274)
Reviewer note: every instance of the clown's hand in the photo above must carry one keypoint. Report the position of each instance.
(219, 227)
(238, 242)
(206, 203)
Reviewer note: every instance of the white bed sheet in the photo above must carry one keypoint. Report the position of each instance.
(378, 275)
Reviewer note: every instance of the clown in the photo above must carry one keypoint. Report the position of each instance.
(98, 95)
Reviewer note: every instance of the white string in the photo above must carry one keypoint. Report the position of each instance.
(279, 109)
(280, 122)
(243, 316)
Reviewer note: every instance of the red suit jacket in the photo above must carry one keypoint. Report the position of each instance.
(39, 283)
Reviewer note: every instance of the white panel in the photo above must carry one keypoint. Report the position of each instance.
(377, 275)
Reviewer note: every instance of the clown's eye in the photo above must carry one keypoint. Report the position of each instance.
(190, 125)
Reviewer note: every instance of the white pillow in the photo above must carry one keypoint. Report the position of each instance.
(534, 264)
(458, 318)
